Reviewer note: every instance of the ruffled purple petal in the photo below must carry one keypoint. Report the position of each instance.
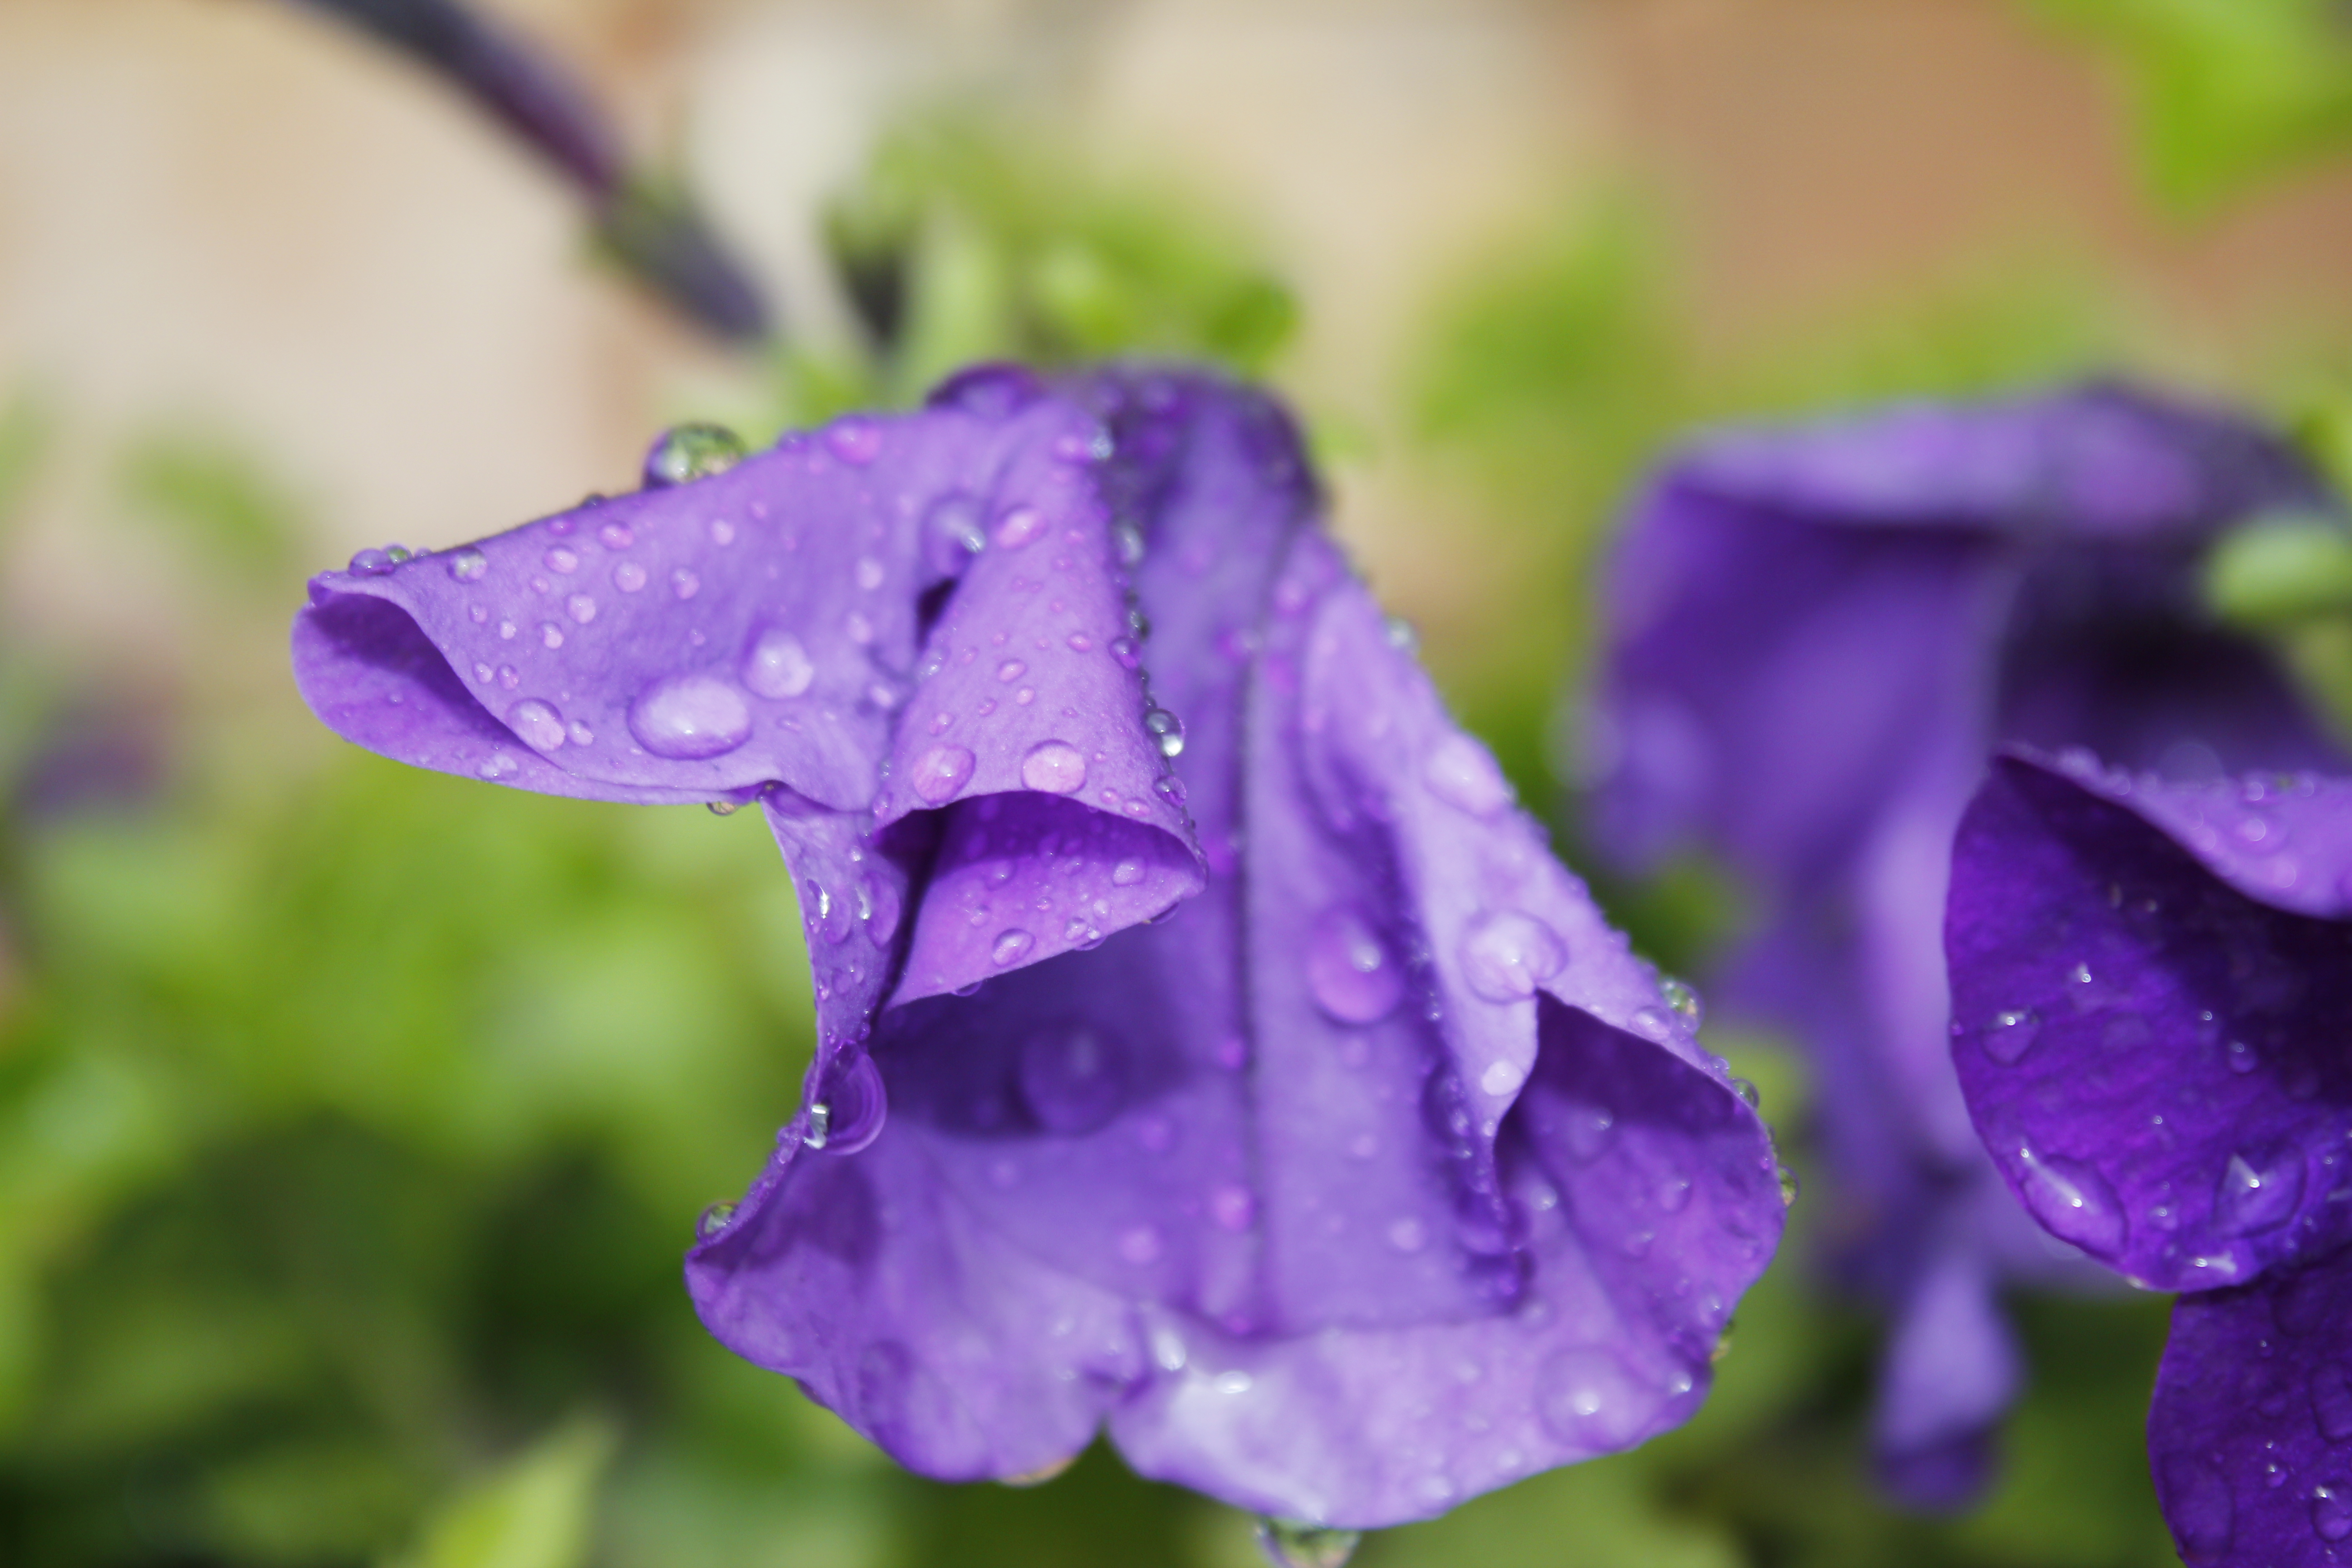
(2148, 982)
(1374, 1176)
(2249, 1433)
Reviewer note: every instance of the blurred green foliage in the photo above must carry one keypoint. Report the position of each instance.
(2228, 93)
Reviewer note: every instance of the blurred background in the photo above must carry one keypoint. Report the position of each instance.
(353, 1120)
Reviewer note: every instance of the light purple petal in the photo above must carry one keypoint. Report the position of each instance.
(2249, 1433)
(2145, 1030)
(1951, 1367)
(1374, 1176)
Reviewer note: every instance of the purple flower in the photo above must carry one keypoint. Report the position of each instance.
(1819, 635)
(1208, 1047)
(2150, 980)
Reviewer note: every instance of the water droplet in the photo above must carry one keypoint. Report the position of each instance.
(1234, 1207)
(685, 584)
(550, 635)
(1010, 947)
(1789, 1186)
(2257, 1194)
(715, 1219)
(1353, 976)
(1011, 670)
(2331, 1518)
(581, 735)
(870, 573)
(509, 677)
(689, 717)
(1460, 773)
(1502, 1077)
(1127, 873)
(1400, 634)
(1506, 954)
(724, 807)
(2012, 1035)
(952, 534)
(2331, 1400)
(685, 452)
(1071, 1078)
(1747, 1091)
(1126, 651)
(373, 563)
(563, 560)
(1055, 766)
(1294, 1544)
(2198, 1505)
(616, 536)
(581, 608)
(1040, 1475)
(939, 772)
(721, 531)
(1652, 1022)
(1127, 541)
(1587, 1397)
(1682, 1000)
(1080, 643)
(2072, 1202)
(540, 726)
(854, 439)
(468, 564)
(848, 1109)
(777, 667)
(628, 576)
(1018, 527)
(1166, 730)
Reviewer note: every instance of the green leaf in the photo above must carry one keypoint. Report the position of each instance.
(537, 1511)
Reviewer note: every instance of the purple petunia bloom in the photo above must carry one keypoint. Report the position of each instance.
(2150, 980)
(1818, 637)
(1209, 1050)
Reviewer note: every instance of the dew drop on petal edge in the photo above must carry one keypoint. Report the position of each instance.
(1166, 730)
(686, 452)
(2072, 1202)
(849, 1108)
(1290, 1543)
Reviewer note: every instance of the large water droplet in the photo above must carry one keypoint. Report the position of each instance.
(685, 452)
(1018, 527)
(1055, 766)
(2012, 1035)
(2331, 1517)
(1166, 730)
(939, 772)
(952, 534)
(2258, 1193)
(715, 1219)
(1460, 773)
(1010, 947)
(1587, 1397)
(628, 577)
(1072, 1078)
(468, 564)
(777, 666)
(1682, 1000)
(2072, 1202)
(539, 725)
(1126, 651)
(689, 717)
(2198, 1505)
(2331, 1400)
(848, 1109)
(1293, 1544)
(1127, 873)
(1351, 973)
(1040, 1475)
(854, 439)
(1506, 954)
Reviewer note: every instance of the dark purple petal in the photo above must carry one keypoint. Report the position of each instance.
(1374, 1176)
(2098, 461)
(2249, 1433)
(2145, 1029)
